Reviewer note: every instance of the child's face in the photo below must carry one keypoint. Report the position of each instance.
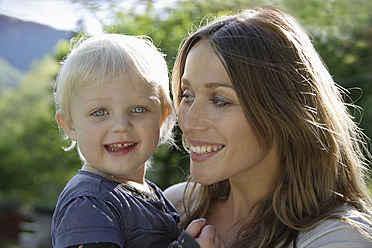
(117, 126)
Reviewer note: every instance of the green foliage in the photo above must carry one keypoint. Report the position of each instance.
(9, 75)
(33, 165)
(170, 26)
(61, 50)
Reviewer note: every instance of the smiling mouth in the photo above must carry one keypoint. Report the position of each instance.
(205, 149)
(119, 146)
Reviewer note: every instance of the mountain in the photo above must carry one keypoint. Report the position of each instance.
(21, 41)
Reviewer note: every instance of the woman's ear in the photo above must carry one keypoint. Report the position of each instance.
(66, 124)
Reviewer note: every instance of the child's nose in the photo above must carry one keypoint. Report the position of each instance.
(121, 124)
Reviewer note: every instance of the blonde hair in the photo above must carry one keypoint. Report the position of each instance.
(106, 57)
(288, 96)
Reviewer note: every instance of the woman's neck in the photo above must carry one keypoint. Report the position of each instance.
(252, 187)
(247, 190)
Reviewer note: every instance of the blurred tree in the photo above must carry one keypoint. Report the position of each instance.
(342, 32)
(33, 166)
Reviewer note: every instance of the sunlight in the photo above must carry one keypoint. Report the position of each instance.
(61, 15)
(92, 25)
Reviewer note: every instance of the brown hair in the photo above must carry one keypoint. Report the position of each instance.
(288, 96)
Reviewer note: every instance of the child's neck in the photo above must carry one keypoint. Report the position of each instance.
(142, 186)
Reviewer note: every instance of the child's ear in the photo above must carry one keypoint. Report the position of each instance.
(66, 124)
(164, 115)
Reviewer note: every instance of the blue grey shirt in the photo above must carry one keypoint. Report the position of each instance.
(93, 209)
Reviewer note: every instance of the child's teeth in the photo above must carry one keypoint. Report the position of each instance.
(116, 147)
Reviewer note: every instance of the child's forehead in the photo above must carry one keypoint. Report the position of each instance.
(124, 84)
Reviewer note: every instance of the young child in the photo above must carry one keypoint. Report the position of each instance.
(112, 101)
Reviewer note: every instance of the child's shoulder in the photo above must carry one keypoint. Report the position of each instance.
(87, 184)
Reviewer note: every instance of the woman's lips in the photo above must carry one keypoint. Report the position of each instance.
(200, 152)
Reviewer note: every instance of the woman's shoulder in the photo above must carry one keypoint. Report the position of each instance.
(343, 229)
(174, 194)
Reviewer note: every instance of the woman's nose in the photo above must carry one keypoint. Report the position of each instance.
(193, 117)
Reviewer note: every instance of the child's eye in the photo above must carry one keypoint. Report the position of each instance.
(138, 110)
(218, 102)
(100, 112)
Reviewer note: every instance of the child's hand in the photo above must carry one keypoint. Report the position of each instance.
(205, 235)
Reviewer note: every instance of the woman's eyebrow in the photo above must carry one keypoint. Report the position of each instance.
(213, 85)
(184, 81)
(209, 85)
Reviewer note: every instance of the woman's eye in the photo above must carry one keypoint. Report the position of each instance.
(138, 110)
(186, 98)
(219, 102)
(100, 112)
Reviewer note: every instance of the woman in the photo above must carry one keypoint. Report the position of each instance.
(276, 159)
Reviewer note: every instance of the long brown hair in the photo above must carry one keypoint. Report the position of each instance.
(287, 95)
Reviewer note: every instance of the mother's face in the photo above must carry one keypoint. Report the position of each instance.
(222, 144)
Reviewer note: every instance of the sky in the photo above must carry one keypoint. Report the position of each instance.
(60, 14)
